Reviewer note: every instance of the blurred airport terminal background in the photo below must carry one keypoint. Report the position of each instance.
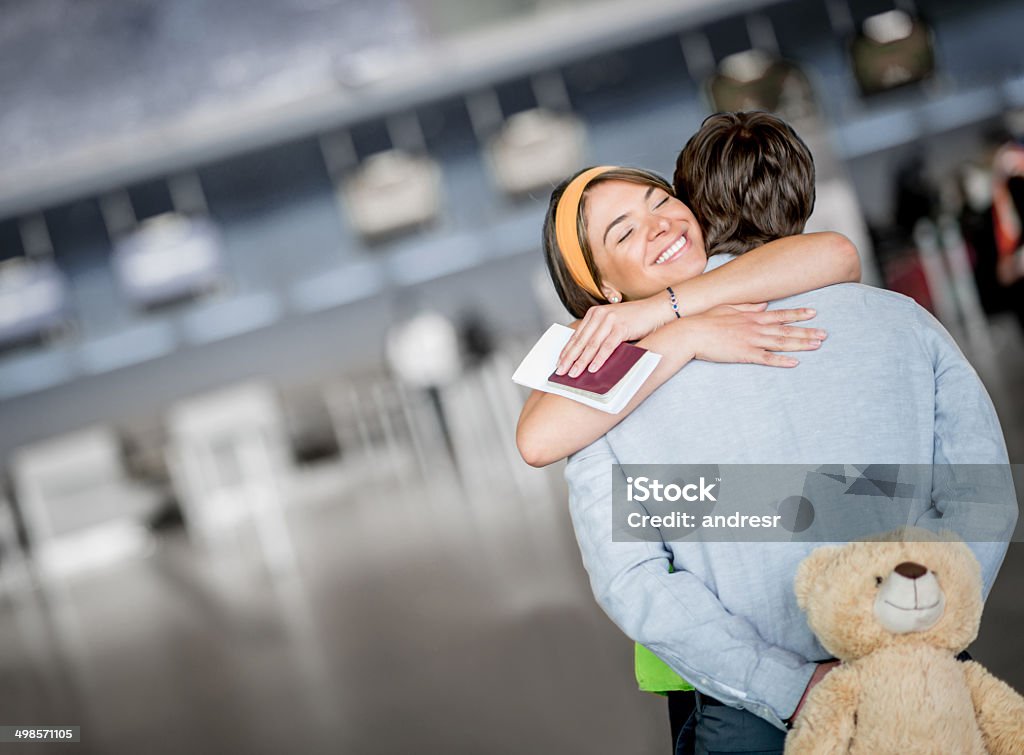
(265, 272)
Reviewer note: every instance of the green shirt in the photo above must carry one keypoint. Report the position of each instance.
(653, 674)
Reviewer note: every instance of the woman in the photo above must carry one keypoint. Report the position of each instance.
(626, 256)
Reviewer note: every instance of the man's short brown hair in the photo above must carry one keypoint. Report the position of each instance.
(748, 178)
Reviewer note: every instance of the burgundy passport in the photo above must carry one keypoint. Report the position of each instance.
(612, 371)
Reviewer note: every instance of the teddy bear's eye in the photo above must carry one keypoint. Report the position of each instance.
(878, 581)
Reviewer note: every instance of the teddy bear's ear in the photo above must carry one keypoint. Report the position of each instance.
(809, 570)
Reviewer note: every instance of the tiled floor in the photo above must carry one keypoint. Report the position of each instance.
(414, 619)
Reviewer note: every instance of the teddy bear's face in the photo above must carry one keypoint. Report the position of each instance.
(909, 599)
(867, 595)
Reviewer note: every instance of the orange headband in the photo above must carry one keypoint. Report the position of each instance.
(565, 228)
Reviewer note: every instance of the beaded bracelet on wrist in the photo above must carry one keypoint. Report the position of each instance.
(672, 299)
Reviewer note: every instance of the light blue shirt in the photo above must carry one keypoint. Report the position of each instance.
(889, 386)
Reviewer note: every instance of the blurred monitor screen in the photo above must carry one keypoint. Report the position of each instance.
(167, 258)
(892, 50)
(755, 80)
(535, 149)
(393, 193)
(33, 300)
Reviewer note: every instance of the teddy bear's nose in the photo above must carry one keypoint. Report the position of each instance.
(910, 570)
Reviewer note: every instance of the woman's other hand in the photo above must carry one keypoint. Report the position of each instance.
(606, 326)
(749, 334)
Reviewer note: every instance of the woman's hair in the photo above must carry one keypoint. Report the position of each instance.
(748, 178)
(576, 298)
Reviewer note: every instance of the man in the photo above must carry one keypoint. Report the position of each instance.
(890, 387)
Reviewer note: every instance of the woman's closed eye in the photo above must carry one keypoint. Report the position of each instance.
(653, 209)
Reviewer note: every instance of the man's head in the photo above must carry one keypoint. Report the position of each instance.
(748, 178)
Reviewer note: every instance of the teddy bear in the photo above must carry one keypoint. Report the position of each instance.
(896, 610)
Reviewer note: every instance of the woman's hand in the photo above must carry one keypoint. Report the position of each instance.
(606, 326)
(747, 333)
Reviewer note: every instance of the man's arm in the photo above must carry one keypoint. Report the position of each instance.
(675, 615)
(972, 488)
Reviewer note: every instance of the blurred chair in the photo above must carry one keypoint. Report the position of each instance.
(12, 556)
(483, 407)
(383, 434)
(535, 149)
(229, 457)
(33, 300)
(80, 506)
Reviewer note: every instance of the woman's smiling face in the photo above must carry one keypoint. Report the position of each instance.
(642, 238)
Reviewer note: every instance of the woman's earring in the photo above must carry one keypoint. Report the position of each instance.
(613, 299)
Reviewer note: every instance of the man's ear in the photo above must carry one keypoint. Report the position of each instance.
(809, 571)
